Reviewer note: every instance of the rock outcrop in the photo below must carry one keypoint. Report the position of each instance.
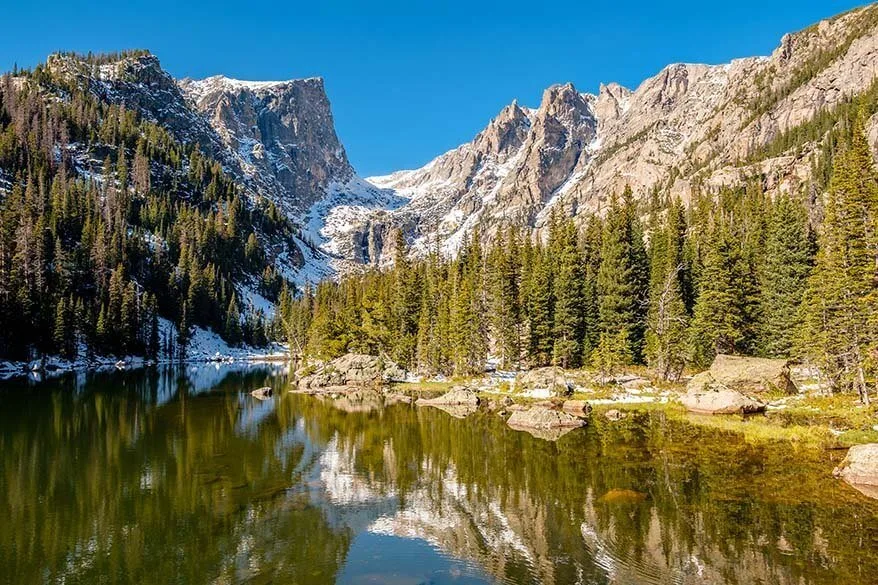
(352, 370)
(460, 402)
(576, 407)
(749, 375)
(457, 396)
(550, 379)
(280, 134)
(688, 125)
(860, 468)
(262, 393)
(541, 417)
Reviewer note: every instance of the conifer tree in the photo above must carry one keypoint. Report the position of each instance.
(505, 286)
(789, 252)
(539, 310)
(233, 321)
(719, 318)
(622, 279)
(568, 295)
(667, 319)
(841, 302)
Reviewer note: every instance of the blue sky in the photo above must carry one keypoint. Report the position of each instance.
(410, 80)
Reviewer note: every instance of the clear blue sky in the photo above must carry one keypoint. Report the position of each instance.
(408, 81)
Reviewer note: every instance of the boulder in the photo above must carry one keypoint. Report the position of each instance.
(397, 398)
(614, 415)
(540, 417)
(721, 401)
(745, 374)
(352, 369)
(263, 393)
(703, 382)
(576, 407)
(550, 379)
(860, 468)
(458, 396)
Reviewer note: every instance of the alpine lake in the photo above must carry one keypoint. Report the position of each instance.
(180, 476)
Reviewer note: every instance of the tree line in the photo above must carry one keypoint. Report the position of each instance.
(646, 281)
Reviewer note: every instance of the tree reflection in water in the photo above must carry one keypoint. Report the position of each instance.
(170, 476)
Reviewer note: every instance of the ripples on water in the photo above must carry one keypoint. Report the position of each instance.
(180, 476)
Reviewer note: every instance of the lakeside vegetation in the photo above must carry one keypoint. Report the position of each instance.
(654, 283)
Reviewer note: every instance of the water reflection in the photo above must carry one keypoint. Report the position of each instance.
(181, 476)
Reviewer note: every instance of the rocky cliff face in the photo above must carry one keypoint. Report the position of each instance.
(280, 134)
(278, 138)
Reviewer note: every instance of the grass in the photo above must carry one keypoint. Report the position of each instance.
(815, 421)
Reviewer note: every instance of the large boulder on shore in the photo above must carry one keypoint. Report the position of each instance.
(720, 401)
(352, 369)
(550, 379)
(748, 375)
(860, 468)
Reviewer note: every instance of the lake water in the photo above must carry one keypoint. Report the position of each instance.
(180, 476)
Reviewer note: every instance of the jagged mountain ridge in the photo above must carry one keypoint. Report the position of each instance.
(685, 128)
(688, 127)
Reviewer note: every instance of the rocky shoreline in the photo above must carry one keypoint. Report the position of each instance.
(549, 402)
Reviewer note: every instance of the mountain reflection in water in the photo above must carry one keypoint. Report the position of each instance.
(180, 476)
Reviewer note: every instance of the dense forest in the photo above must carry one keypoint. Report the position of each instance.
(109, 228)
(108, 225)
(649, 281)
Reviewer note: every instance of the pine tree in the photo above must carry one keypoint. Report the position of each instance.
(622, 279)
(569, 297)
(504, 283)
(406, 303)
(789, 253)
(667, 319)
(720, 316)
(539, 310)
(232, 325)
(841, 303)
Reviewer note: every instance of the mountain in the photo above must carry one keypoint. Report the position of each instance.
(690, 127)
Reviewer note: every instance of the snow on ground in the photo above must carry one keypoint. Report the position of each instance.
(251, 300)
(330, 222)
(315, 268)
(204, 346)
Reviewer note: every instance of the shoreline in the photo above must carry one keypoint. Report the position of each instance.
(806, 419)
(53, 366)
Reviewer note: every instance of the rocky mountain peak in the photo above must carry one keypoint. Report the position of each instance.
(611, 103)
(281, 133)
(506, 132)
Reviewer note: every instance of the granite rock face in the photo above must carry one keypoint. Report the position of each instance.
(720, 401)
(351, 369)
(281, 134)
